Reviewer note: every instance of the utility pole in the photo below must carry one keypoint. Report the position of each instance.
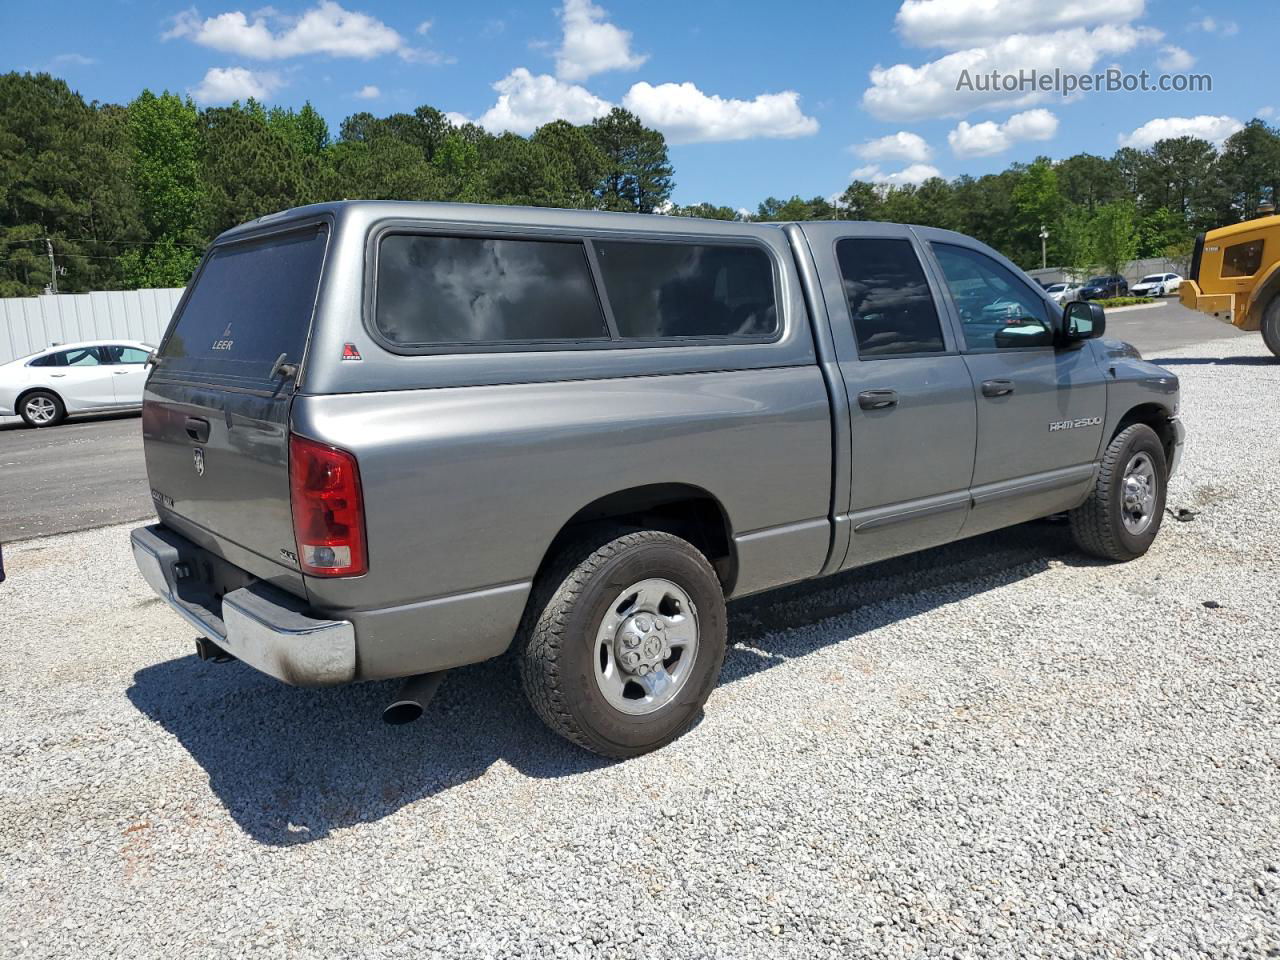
(1044, 235)
(53, 268)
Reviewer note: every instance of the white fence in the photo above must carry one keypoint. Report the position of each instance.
(28, 324)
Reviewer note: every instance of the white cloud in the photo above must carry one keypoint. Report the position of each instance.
(904, 92)
(958, 24)
(1228, 28)
(1265, 113)
(368, 92)
(989, 138)
(526, 102)
(685, 114)
(74, 60)
(327, 28)
(225, 84)
(916, 174)
(1175, 58)
(457, 119)
(591, 44)
(1213, 129)
(903, 145)
(423, 27)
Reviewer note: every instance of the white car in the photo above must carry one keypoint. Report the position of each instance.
(1062, 292)
(91, 377)
(1157, 285)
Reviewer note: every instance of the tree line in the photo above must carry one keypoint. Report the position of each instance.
(128, 196)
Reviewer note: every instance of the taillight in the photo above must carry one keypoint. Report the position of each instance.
(328, 513)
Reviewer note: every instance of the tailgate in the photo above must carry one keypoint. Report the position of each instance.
(216, 408)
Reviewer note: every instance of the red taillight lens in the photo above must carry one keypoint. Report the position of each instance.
(328, 512)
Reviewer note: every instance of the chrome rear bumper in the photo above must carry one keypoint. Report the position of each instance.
(263, 626)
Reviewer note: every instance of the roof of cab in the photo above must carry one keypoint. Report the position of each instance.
(498, 214)
(1270, 222)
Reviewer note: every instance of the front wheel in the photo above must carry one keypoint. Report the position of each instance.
(41, 408)
(1271, 325)
(627, 644)
(1122, 516)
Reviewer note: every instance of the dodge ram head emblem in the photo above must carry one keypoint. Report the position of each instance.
(198, 456)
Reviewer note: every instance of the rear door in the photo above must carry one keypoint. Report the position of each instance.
(216, 408)
(1040, 408)
(913, 425)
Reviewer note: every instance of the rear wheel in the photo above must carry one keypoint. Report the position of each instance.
(627, 644)
(40, 408)
(1122, 516)
(1271, 325)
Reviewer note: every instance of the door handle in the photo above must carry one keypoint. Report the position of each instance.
(57, 374)
(997, 388)
(877, 399)
(197, 429)
(119, 373)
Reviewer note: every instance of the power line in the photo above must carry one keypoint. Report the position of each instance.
(192, 246)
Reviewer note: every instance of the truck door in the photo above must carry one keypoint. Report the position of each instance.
(1041, 409)
(913, 424)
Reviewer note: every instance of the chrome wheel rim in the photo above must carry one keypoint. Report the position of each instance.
(1138, 493)
(41, 409)
(646, 646)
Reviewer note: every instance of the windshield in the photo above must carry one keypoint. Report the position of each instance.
(1154, 278)
(1099, 279)
(1057, 287)
(251, 303)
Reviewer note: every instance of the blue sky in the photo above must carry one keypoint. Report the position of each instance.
(756, 98)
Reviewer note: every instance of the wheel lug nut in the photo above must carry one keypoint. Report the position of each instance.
(631, 640)
(643, 624)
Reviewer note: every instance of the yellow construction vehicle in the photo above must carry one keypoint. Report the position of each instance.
(1235, 275)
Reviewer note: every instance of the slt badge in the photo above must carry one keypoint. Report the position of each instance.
(198, 456)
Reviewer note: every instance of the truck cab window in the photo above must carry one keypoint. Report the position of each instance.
(1242, 260)
(997, 310)
(889, 301)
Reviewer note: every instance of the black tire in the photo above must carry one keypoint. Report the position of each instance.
(1097, 524)
(1271, 325)
(559, 650)
(32, 418)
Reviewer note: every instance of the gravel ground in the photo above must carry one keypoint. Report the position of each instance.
(999, 748)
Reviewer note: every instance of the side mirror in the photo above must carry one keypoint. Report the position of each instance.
(1083, 320)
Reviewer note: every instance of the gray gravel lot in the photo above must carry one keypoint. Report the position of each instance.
(999, 748)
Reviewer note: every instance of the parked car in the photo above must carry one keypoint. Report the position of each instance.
(1157, 285)
(1102, 288)
(1062, 292)
(386, 439)
(91, 377)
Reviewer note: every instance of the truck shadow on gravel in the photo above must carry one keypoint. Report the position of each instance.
(293, 765)
(1217, 362)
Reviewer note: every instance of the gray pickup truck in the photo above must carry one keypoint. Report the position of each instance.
(386, 439)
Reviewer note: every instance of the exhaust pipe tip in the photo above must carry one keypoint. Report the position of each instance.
(412, 698)
(400, 712)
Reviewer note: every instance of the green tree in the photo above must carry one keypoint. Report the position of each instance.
(165, 170)
(579, 164)
(64, 178)
(707, 211)
(249, 169)
(783, 211)
(1037, 201)
(1073, 242)
(638, 173)
(1115, 236)
(1249, 167)
(860, 201)
(1087, 181)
